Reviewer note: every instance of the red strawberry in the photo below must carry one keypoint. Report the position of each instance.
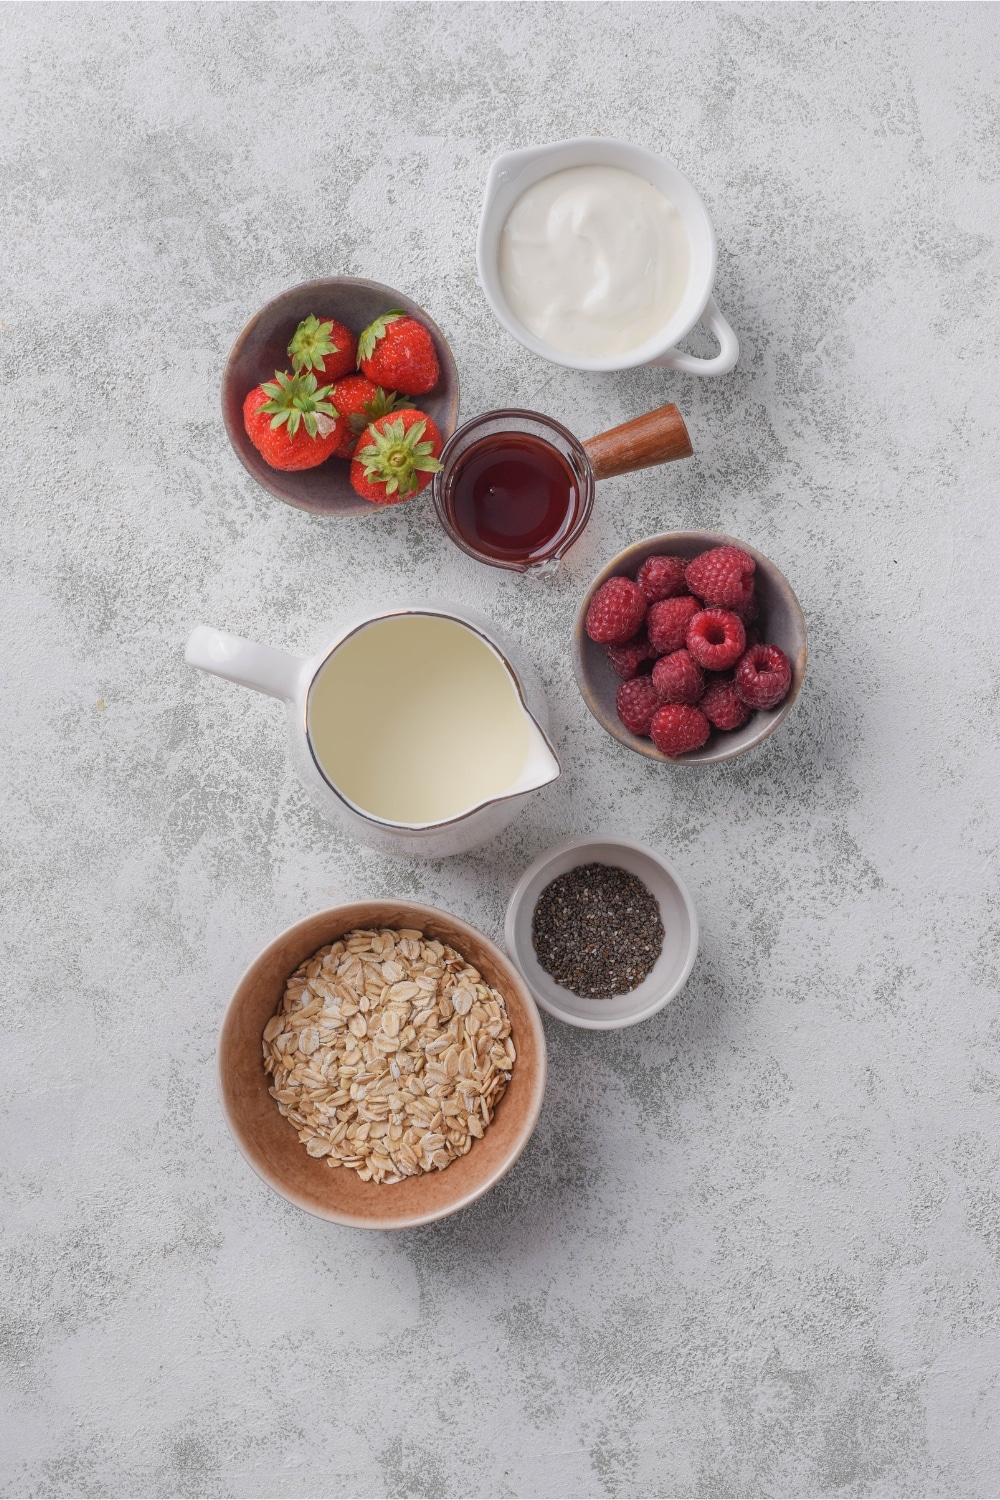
(398, 353)
(361, 402)
(329, 349)
(291, 423)
(396, 457)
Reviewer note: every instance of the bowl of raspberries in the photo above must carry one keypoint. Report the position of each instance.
(690, 647)
(339, 395)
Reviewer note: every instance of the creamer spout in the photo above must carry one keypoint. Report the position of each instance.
(541, 764)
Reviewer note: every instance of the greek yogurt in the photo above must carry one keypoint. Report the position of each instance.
(593, 260)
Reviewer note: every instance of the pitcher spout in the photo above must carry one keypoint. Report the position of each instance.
(541, 764)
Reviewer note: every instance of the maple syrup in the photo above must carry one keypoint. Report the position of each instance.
(512, 496)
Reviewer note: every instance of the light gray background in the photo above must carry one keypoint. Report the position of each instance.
(754, 1245)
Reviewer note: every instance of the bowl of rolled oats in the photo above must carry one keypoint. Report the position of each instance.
(381, 1064)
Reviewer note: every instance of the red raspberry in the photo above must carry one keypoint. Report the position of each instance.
(637, 702)
(616, 612)
(661, 577)
(722, 704)
(667, 622)
(626, 660)
(678, 678)
(722, 576)
(747, 612)
(763, 676)
(676, 728)
(716, 639)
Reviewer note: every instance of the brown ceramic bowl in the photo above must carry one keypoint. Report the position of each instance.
(269, 1142)
(781, 624)
(262, 348)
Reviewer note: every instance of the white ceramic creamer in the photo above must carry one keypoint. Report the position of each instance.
(516, 173)
(413, 726)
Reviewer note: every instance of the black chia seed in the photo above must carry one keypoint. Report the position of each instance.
(597, 931)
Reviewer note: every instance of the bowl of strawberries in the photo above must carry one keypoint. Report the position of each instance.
(690, 647)
(339, 395)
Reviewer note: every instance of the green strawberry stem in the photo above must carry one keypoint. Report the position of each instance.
(296, 399)
(396, 455)
(369, 337)
(381, 404)
(311, 343)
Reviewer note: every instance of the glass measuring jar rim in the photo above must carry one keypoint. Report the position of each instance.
(514, 422)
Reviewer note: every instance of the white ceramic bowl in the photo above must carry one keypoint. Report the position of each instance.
(514, 172)
(677, 912)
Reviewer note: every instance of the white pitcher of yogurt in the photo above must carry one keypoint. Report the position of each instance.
(600, 255)
(412, 726)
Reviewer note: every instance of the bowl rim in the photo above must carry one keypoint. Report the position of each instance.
(586, 841)
(640, 745)
(319, 285)
(361, 1221)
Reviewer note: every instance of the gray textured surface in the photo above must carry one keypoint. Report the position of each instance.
(754, 1246)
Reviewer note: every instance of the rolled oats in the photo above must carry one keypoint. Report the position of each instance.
(389, 1054)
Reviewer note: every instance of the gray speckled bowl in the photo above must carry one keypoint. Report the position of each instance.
(262, 348)
(781, 624)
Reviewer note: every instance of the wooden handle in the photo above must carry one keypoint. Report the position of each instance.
(656, 438)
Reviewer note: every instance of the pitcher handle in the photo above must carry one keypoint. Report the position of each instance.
(264, 668)
(719, 364)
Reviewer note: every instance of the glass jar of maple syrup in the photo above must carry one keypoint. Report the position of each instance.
(516, 489)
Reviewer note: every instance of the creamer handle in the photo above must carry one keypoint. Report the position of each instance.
(656, 438)
(264, 668)
(719, 364)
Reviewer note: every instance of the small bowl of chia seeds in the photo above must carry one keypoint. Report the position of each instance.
(603, 930)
